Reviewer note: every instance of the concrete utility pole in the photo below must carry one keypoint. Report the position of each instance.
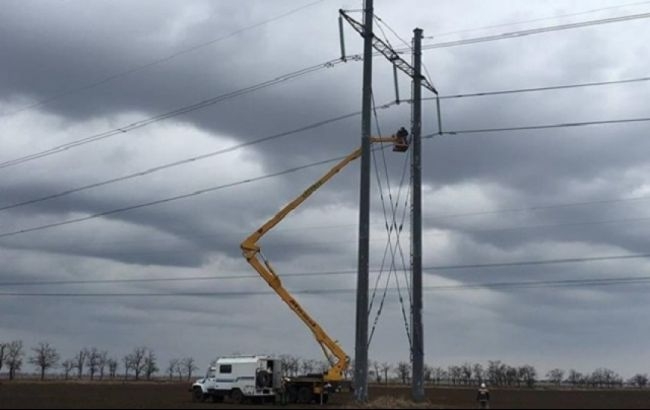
(361, 345)
(416, 225)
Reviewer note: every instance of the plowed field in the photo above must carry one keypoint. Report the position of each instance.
(143, 395)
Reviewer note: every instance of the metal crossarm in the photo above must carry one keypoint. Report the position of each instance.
(388, 52)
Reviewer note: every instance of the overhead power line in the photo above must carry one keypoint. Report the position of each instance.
(541, 19)
(539, 262)
(593, 282)
(315, 125)
(437, 217)
(538, 208)
(324, 122)
(547, 284)
(196, 47)
(562, 225)
(167, 200)
(318, 124)
(340, 241)
(295, 74)
(513, 34)
(331, 273)
(179, 111)
(546, 126)
(208, 102)
(523, 33)
(538, 89)
(182, 162)
(153, 63)
(466, 214)
(120, 210)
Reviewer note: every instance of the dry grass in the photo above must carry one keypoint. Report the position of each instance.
(389, 402)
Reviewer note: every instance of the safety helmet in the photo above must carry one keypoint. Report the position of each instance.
(482, 385)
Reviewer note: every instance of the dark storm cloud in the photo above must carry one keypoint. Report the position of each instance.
(68, 57)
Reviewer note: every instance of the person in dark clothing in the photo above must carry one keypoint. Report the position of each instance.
(483, 397)
(401, 135)
(401, 140)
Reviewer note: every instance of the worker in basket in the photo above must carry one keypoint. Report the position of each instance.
(401, 140)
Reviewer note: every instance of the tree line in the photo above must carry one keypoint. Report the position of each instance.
(142, 364)
(92, 363)
(496, 373)
(500, 374)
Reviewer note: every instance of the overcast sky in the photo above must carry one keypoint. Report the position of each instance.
(77, 69)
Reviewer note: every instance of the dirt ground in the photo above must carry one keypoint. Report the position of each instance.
(167, 395)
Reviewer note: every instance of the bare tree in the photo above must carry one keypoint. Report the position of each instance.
(14, 357)
(137, 361)
(112, 367)
(439, 374)
(512, 376)
(428, 374)
(528, 375)
(68, 365)
(466, 373)
(92, 361)
(385, 367)
(45, 357)
(179, 369)
(3, 348)
(639, 380)
(307, 366)
(496, 372)
(574, 377)
(290, 364)
(171, 368)
(150, 366)
(102, 362)
(190, 366)
(479, 373)
(403, 371)
(127, 361)
(603, 377)
(376, 367)
(80, 360)
(322, 366)
(555, 376)
(455, 374)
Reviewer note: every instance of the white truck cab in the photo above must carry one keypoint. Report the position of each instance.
(239, 378)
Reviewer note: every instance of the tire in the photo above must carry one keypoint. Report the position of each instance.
(263, 379)
(304, 395)
(292, 394)
(197, 395)
(236, 396)
(326, 398)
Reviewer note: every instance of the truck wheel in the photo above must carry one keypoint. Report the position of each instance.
(263, 379)
(304, 395)
(325, 398)
(292, 394)
(236, 396)
(197, 395)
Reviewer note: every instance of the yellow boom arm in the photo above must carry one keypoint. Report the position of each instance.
(250, 249)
